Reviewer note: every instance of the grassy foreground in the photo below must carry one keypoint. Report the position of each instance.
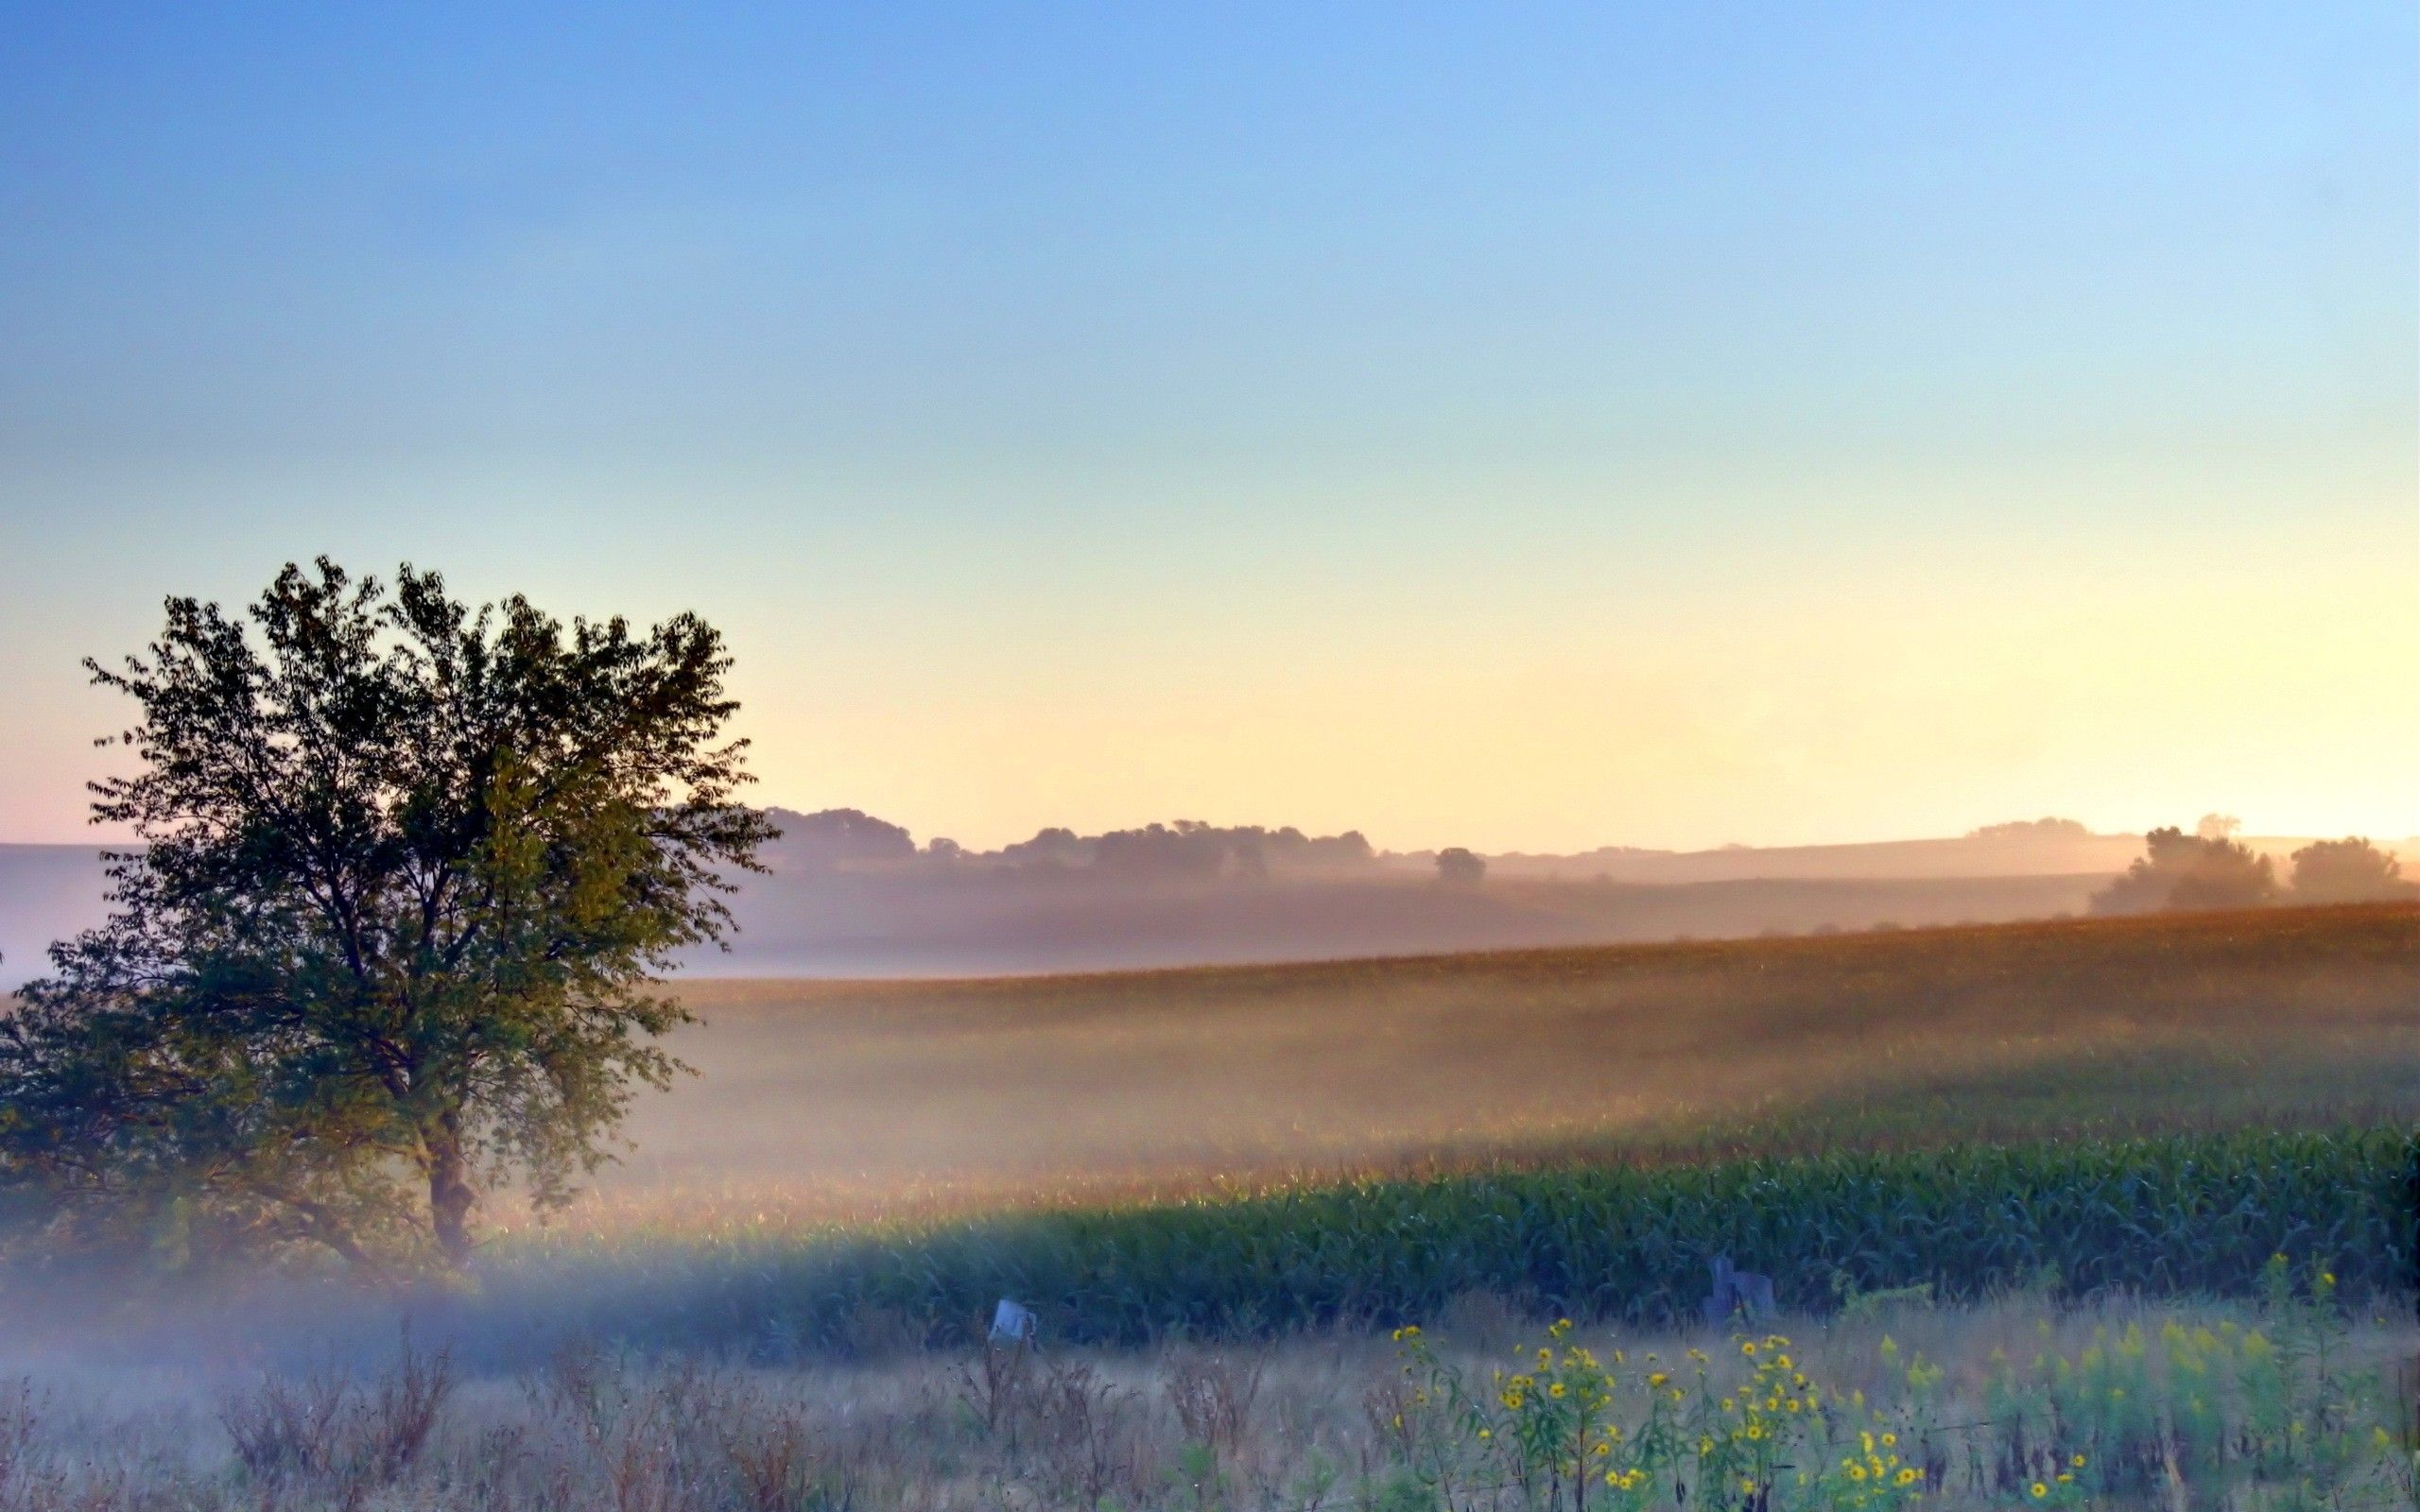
(2285, 1401)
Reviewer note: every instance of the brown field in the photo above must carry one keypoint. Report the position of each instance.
(859, 1098)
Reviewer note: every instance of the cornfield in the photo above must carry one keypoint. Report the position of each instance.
(2173, 1216)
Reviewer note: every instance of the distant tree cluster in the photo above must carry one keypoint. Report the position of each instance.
(837, 838)
(2211, 870)
(2348, 872)
(843, 840)
(1190, 848)
(1457, 867)
(1187, 849)
(2045, 829)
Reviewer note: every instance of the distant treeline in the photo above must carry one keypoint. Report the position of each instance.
(1186, 849)
(2211, 870)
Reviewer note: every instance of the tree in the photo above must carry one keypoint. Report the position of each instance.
(2347, 871)
(832, 838)
(410, 872)
(1459, 868)
(2179, 872)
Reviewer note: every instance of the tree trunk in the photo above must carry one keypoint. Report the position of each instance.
(451, 1196)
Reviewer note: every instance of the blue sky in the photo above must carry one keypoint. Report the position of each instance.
(1513, 426)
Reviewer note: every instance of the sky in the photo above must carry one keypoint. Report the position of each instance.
(1522, 427)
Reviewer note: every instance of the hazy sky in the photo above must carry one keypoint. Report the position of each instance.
(1512, 426)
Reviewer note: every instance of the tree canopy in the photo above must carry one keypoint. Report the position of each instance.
(410, 872)
(2190, 872)
(2347, 871)
(1459, 867)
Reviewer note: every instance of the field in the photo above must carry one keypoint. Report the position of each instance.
(2022, 1190)
(2154, 1104)
(879, 1100)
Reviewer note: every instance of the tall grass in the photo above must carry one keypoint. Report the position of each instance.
(2283, 1401)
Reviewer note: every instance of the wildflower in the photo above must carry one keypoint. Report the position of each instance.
(2077, 1461)
(1906, 1476)
(1657, 1379)
(2065, 1479)
(1889, 1440)
(1857, 1472)
(1555, 1391)
(2039, 1491)
(1756, 1430)
(1487, 1433)
(1748, 1346)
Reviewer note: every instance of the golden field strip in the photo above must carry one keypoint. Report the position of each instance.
(871, 1099)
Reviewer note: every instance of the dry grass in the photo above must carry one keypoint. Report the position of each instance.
(1302, 1426)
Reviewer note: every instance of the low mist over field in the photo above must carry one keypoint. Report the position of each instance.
(876, 1097)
